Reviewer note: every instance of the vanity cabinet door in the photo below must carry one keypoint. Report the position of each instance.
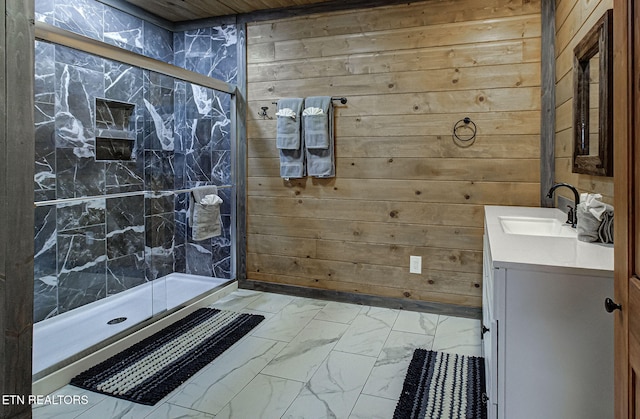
(490, 352)
(489, 332)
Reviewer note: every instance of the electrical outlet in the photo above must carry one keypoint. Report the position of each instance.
(415, 264)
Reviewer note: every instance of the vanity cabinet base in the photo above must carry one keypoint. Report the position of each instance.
(549, 344)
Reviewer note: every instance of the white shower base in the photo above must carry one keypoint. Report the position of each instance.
(64, 336)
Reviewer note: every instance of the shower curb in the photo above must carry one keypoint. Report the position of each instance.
(63, 376)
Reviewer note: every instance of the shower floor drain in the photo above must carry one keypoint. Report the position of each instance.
(117, 320)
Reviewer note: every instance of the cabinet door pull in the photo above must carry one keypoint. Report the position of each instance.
(485, 329)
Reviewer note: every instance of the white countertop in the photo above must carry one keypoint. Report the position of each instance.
(551, 254)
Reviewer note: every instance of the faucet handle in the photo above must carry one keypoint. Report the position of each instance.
(570, 216)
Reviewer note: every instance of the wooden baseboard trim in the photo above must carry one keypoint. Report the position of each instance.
(363, 299)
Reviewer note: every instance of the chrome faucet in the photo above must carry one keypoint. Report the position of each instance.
(573, 212)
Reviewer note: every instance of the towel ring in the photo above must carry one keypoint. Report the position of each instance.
(466, 122)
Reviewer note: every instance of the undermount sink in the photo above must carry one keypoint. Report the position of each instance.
(534, 226)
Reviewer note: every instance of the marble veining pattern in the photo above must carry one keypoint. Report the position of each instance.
(370, 407)
(123, 30)
(81, 267)
(236, 369)
(44, 10)
(304, 354)
(264, 397)
(334, 388)
(388, 373)
(287, 323)
(125, 272)
(368, 332)
(339, 312)
(45, 263)
(45, 223)
(123, 82)
(414, 322)
(240, 300)
(158, 43)
(271, 303)
(307, 377)
(181, 135)
(96, 20)
(84, 17)
(209, 51)
(125, 226)
(75, 91)
(457, 335)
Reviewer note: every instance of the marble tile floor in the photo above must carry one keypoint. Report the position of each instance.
(307, 359)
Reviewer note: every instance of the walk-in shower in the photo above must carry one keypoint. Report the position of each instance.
(127, 125)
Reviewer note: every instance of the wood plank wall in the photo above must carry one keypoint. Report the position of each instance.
(574, 18)
(402, 186)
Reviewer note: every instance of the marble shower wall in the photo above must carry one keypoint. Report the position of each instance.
(98, 246)
(208, 51)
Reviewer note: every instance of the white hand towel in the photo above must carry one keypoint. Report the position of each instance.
(288, 112)
(312, 111)
(211, 200)
(204, 219)
(318, 137)
(289, 138)
(596, 207)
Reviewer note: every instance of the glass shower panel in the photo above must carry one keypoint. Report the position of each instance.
(113, 247)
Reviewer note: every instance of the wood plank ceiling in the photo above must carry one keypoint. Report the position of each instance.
(181, 10)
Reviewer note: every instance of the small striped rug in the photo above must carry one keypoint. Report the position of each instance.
(152, 368)
(441, 385)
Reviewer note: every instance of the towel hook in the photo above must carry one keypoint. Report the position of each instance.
(263, 113)
(467, 123)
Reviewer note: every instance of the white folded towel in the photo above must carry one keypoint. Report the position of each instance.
(211, 200)
(592, 204)
(312, 111)
(288, 112)
(204, 213)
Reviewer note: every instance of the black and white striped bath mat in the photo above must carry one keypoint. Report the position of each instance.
(441, 385)
(155, 366)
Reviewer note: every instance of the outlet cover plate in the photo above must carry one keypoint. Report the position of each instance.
(415, 264)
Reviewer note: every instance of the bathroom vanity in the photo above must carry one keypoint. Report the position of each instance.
(547, 339)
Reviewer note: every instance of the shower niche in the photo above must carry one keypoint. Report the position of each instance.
(115, 130)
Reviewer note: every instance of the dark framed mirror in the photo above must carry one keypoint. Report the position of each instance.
(593, 100)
